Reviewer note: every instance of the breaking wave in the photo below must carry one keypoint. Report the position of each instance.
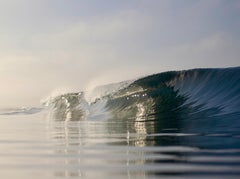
(176, 99)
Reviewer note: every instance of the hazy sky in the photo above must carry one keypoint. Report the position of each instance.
(50, 45)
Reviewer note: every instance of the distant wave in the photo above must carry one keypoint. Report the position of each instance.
(22, 110)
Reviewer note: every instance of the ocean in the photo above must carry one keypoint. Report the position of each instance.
(175, 124)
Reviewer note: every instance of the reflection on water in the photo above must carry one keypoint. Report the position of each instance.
(139, 126)
(40, 146)
(138, 149)
(88, 145)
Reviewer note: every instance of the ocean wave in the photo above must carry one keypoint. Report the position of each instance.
(22, 110)
(201, 96)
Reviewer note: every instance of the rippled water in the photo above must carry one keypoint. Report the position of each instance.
(36, 146)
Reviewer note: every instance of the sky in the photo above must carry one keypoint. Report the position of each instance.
(51, 46)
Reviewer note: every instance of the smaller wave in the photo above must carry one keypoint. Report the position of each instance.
(23, 111)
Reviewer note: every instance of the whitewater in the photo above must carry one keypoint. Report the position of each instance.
(175, 124)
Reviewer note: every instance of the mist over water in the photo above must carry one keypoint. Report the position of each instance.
(177, 124)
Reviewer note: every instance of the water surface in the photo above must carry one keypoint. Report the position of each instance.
(34, 147)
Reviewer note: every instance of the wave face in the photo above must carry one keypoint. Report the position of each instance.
(198, 100)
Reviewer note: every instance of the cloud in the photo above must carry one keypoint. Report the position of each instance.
(69, 57)
(217, 50)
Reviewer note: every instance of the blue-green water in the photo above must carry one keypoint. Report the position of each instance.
(169, 125)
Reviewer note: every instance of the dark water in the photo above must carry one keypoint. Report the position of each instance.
(169, 125)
